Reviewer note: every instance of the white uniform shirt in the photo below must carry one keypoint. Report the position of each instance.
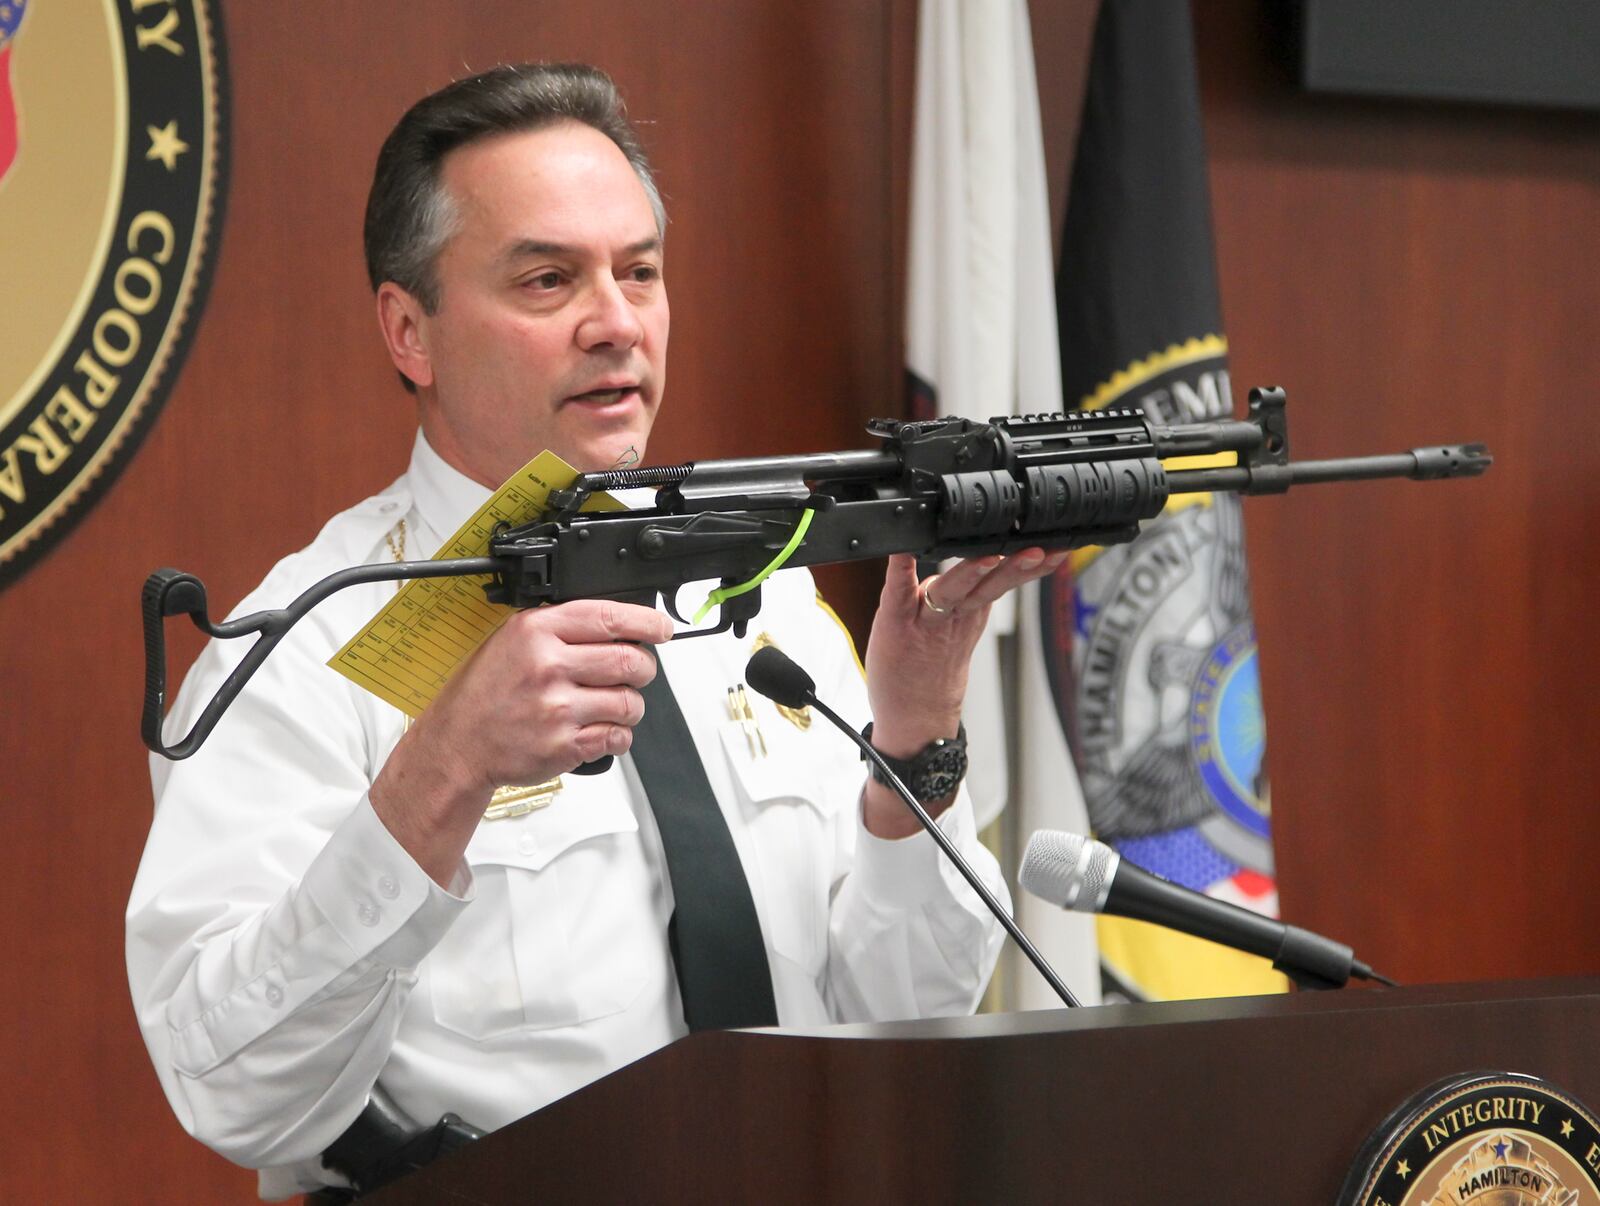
(284, 950)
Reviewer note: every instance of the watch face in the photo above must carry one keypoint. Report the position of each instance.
(934, 773)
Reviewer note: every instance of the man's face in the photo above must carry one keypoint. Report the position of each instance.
(551, 330)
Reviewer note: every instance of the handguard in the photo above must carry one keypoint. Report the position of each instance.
(937, 488)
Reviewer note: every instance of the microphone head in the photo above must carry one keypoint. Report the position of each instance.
(1068, 870)
(773, 672)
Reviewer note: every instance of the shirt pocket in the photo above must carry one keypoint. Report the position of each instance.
(788, 840)
(542, 945)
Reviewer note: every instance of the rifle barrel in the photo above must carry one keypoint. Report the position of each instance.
(1420, 464)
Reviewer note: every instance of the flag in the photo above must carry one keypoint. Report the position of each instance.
(10, 20)
(1149, 648)
(980, 342)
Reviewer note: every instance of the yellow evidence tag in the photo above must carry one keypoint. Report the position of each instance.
(409, 650)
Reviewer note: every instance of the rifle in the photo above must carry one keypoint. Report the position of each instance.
(937, 488)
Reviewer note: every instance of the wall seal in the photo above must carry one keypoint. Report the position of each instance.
(112, 173)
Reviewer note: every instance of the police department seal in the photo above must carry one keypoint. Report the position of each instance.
(1485, 1139)
(111, 185)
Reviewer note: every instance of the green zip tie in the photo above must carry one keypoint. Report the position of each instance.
(724, 593)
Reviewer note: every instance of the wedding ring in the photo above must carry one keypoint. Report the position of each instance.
(927, 599)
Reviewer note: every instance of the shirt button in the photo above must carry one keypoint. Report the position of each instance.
(388, 888)
(368, 913)
(274, 995)
(526, 844)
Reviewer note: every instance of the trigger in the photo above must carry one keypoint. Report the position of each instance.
(669, 601)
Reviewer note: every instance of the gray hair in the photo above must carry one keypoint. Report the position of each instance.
(410, 216)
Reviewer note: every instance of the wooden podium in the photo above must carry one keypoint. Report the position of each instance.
(1242, 1100)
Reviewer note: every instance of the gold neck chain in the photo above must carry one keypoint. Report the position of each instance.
(395, 538)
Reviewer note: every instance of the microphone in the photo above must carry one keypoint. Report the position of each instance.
(1087, 876)
(774, 674)
(779, 677)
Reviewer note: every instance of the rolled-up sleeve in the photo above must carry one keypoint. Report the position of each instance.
(907, 935)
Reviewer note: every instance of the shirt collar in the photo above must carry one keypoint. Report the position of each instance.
(445, 498)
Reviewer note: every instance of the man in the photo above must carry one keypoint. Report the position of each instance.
(323, 904)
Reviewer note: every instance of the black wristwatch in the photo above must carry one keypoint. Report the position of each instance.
(933, 773)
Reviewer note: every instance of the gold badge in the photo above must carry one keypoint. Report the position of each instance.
(507, 802)
(799, 717)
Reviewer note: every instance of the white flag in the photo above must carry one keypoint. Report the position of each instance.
(980, 342)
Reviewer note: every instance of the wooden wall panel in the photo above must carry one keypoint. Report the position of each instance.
(1417, 274)
(1410, 273)
(771, 128)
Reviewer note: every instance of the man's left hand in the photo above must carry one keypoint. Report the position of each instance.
(918, 656)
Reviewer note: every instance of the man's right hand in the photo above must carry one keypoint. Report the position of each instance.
(552, 688)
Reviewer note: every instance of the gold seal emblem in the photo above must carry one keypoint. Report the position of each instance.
(1495, 1139)
(111, 179)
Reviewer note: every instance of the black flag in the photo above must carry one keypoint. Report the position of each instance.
(1151, 646)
